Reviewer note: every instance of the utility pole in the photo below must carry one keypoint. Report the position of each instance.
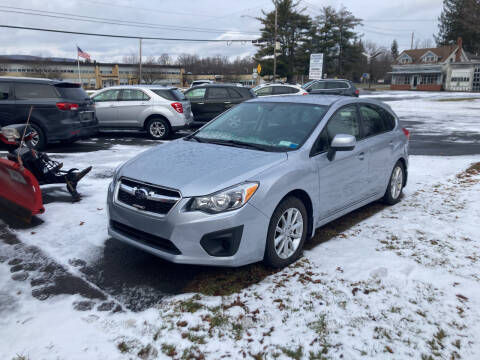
(275, 44)
(140, 64)
(411, 44)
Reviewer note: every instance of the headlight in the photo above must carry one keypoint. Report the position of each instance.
(229, 199)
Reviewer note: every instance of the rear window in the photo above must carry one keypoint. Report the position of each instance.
(72, 92)
(35, 91)
(170, 94)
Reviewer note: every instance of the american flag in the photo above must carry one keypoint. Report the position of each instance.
(83, 54)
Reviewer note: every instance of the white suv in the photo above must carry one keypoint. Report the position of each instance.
(159, 110)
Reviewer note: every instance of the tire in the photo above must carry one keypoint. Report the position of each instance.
(283, 255)
(39, 140)
(158, 128)
(394, 190)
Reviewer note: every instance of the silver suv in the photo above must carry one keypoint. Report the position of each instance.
(159, 110)
(258, 180)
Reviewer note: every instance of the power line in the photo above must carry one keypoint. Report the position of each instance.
(67, 16)
(125, 36)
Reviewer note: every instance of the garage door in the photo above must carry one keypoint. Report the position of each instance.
(476, 80)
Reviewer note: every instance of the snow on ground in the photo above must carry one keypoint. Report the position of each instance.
(402, 283)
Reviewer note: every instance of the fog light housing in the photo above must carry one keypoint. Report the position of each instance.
(223, 242)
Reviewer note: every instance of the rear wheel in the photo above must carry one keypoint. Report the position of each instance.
(38, 137)
(158, 128)
(286, 233)
(395, 185)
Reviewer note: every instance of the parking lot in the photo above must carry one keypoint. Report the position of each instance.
(417, 266)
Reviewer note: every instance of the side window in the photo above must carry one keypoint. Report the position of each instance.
(133, 95)
(215, 93)
(108, 95)
(234, 94)
(265, 91)
(345, 121)
(35, 91)
(337, 85)
(4, 91)
(280, 90)
(376, 120)
(319, 85)
(196, 94)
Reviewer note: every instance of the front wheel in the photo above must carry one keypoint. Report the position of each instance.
(395, 185)
(38, 140)
(286, 233)
(158, 128)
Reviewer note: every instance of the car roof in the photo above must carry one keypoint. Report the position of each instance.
(307, 99)
(332, 80)
(33, 80)
(162, 87)
(215, 85)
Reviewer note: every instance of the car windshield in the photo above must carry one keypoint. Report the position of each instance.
(268, 126)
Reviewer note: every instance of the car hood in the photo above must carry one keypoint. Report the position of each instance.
(198, 168)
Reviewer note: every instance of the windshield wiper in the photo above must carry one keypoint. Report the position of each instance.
(194, 137)
(242, 144)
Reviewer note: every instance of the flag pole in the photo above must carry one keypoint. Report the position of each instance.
(78, 66)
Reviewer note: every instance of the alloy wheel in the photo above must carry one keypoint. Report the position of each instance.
(288, 233)
(396, 183)
(157, 129)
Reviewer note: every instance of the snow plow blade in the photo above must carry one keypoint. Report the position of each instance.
(20, 194)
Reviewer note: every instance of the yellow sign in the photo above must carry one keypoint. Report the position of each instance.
(259, 69)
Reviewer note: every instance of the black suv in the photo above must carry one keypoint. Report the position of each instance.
(62, 111)
(210, 100)
(332, 87)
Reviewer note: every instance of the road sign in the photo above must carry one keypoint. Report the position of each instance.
(255, 75)
(316, 66)
(259, 68)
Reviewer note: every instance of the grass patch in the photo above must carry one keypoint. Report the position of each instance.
(458, 99)
(296, 354)
(222, 282)
(169, 350)
(20, 357)
(123, 347)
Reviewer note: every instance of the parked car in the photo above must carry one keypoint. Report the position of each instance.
(159, 110)
(201, 82)
(279, 90)
(331, 87)
(210, 100)
(61, 111)
(256, 182)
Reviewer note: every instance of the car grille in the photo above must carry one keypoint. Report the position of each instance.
(145, 238)
(146, 197)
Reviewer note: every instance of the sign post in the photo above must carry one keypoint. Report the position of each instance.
(316, 67)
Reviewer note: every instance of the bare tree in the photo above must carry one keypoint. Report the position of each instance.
(164, 59)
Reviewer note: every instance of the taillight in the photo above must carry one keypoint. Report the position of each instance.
(67, 106)
(305, 93)
(406, 132)
(178, 107)
(357, 92)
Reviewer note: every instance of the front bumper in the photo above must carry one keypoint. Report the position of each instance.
(185, 229)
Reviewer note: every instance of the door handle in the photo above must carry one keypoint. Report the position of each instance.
(200, 103)
(361, 156)
(227, 102)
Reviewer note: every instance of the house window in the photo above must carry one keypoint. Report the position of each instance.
(460, 79)
(429, 79)
(402, 79)
(429, 58)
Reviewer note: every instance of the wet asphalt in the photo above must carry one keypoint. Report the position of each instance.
(137, 280)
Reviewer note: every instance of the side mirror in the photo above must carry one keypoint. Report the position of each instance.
(341, 142)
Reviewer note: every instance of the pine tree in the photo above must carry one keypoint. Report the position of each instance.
(293, 31)
(394, 49)
(460, 18)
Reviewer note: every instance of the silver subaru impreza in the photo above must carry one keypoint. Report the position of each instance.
(256, 182)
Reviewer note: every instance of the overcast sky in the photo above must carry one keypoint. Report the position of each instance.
(210, 19)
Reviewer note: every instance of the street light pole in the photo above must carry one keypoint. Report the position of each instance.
(275, 44)
(140, 64)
